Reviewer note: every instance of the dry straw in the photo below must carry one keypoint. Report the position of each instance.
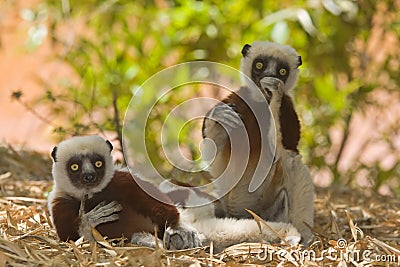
(357, 228)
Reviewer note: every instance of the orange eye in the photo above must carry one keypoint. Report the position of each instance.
(259, 65)
(282, 72)
(98, 164)
(74, 167)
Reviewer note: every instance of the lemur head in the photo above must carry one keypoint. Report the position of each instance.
(82, 165)
(265, 59)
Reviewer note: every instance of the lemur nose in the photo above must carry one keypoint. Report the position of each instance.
(269, 74)
(89, 177)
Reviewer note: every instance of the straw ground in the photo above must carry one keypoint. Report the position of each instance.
(353, 227)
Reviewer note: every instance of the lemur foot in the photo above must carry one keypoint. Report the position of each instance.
(100, 214)
(181, 237)
(146, 239)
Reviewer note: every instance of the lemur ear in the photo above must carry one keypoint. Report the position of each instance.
(245, 49)
(53, 154)
(110, 145)
(299, 61)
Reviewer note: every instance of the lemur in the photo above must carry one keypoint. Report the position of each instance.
(113, 202)
(287, 192)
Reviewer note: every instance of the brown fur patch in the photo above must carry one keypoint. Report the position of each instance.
(277, 180)
(290, 125)
(140, 211)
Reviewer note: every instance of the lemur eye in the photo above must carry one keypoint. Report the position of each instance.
(282, 72)
(98, 164)
(74, 167)
(259, 65)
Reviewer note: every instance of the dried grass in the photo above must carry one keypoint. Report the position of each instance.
(348, 222)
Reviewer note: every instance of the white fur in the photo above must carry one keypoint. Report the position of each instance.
(282, 52)
(300, 188)
(76, 146)
(224, 232)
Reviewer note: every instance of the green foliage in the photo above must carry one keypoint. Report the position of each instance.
(118, 45)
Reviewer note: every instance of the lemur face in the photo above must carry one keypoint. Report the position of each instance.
(266, 59)
(268, 66)
(82, 165)
(86, 170)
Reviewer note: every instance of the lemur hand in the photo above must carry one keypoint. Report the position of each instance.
(272, 84)
(219, 121)
(100, 214)
(226, 115)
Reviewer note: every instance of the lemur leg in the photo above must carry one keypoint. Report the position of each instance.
(218, 121)
(100, 214)
(279, 210)
(181, 237)
(224, 232)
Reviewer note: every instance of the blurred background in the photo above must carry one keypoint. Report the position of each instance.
(70, 67)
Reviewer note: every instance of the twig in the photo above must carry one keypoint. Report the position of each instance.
(34, 112)
(258, 219)
(118, 128)
(82, 206)
(342, 145)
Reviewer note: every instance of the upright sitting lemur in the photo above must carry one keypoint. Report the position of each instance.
(287, 192)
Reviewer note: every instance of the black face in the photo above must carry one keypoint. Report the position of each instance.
(86, 170)
(269, 67)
